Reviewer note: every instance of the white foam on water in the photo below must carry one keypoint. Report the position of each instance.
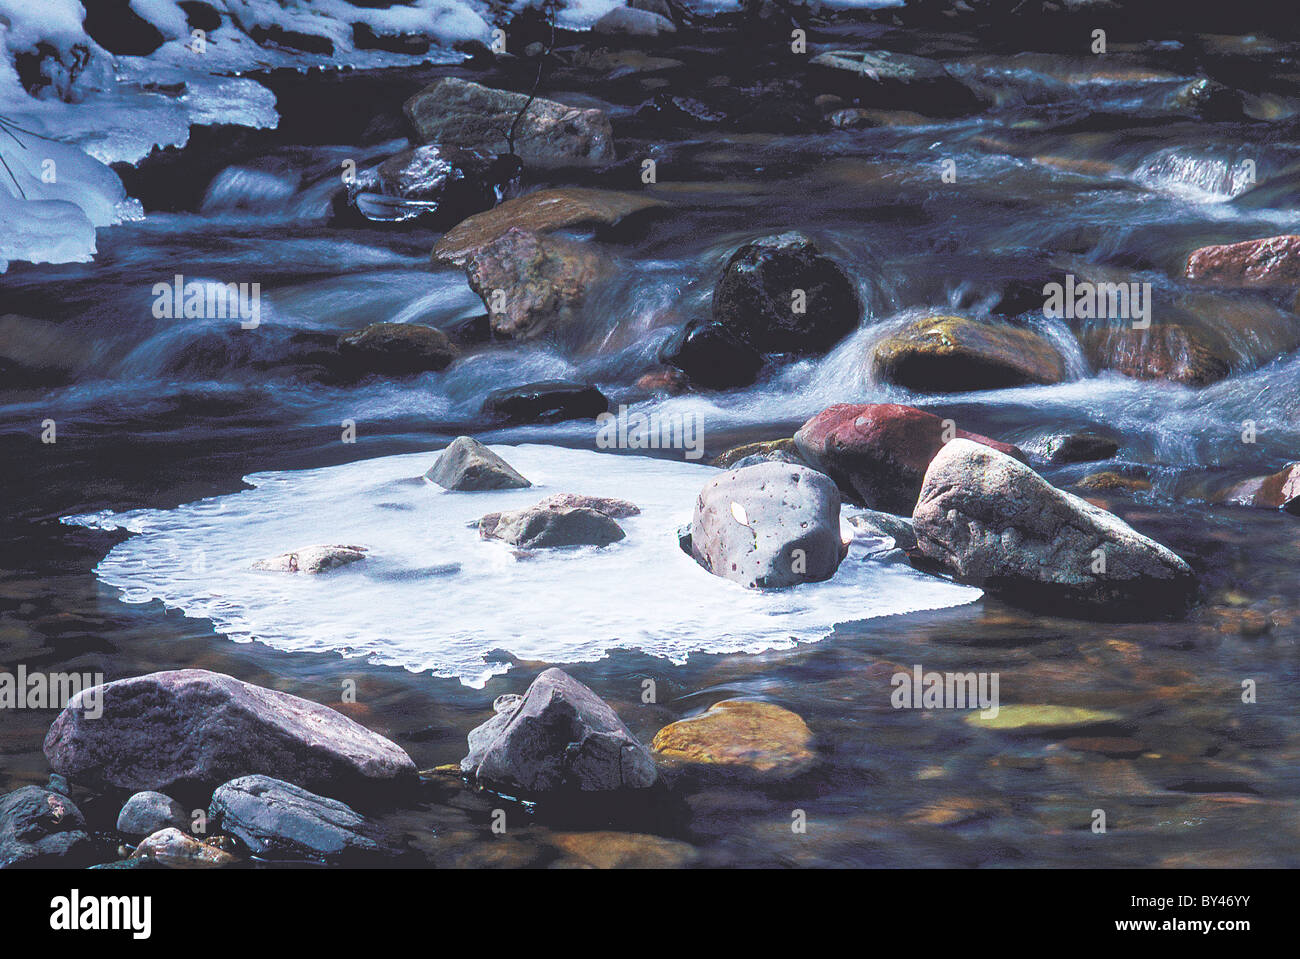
(432, 595)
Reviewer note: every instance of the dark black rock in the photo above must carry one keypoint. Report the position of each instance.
(119, 29)
(200, 15)
(712, 356)
(756, 297)
(549, 401)
(364, 38)
(438, 185)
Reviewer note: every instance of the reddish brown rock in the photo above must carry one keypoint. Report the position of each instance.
(878, 452)
(1271, 261)
(1281, 490)
(1168, 351)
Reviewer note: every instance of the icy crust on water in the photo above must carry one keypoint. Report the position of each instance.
(432, 595)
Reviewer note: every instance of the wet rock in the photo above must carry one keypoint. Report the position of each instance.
(780, 294)
(769, 526)
(1165, 351)
(952, 354)
(312, 559)
(396, 349)
(541, 212)
(178, 850)
(631, 22)
(481, 737)
(189, 729)
(1280, 490)
(542, 527)
(672, 382)
(550, 401)
(740, 737)
(875, 523)
(1113, 480)
(996, 523)
(881, 78)
(712, 356)
(560, 738)
(468, 465)
(542, 281)
(119, 29)
(622, 850)
(278, 820)
(1208, 99)
(1269, 262)
(146, 813)
(439, 184)
(1116, 747)
(365, 38)
(1080, 447)
(455, 112)
(878, 452)
(42, 828)
(728, 459)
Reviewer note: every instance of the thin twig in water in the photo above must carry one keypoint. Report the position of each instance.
(549, 7)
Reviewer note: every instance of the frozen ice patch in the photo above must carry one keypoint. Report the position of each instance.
(432, 595)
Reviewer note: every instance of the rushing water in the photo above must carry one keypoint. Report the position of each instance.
(1076, 168)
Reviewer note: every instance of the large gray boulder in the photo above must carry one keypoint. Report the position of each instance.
(147, 812)
(468, 465)
(461, 113)
(188, 730)
(278, 820)
(996, 523)
(42, 828)
(769, 525)
(561, 737)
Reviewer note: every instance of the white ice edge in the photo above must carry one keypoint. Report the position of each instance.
(559, 606)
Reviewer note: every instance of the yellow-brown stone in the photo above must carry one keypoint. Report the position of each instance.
(740, 736)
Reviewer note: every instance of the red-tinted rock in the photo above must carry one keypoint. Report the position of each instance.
(1281, 490)
(1271, 261)
(878, 452)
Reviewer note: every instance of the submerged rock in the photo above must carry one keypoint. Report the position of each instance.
(468, 465)
(1209, 99)
(1165, 351)
(279, 820)
(878, 452)
(780, 294)
(741, 736)
(560, 737)
(550, 401)
(1269, 262)
(147, 812)
(42, 828)
(396, 349)
(622, 850)
(952, 354)
(541, 527)
(532, 283)
(39, 353)
(179, 850)
(456, 112)
(898, 81)
(768, 526)
(997, 524)
(190, 729)
(312, 559)
(541, 212)
(712, 356)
